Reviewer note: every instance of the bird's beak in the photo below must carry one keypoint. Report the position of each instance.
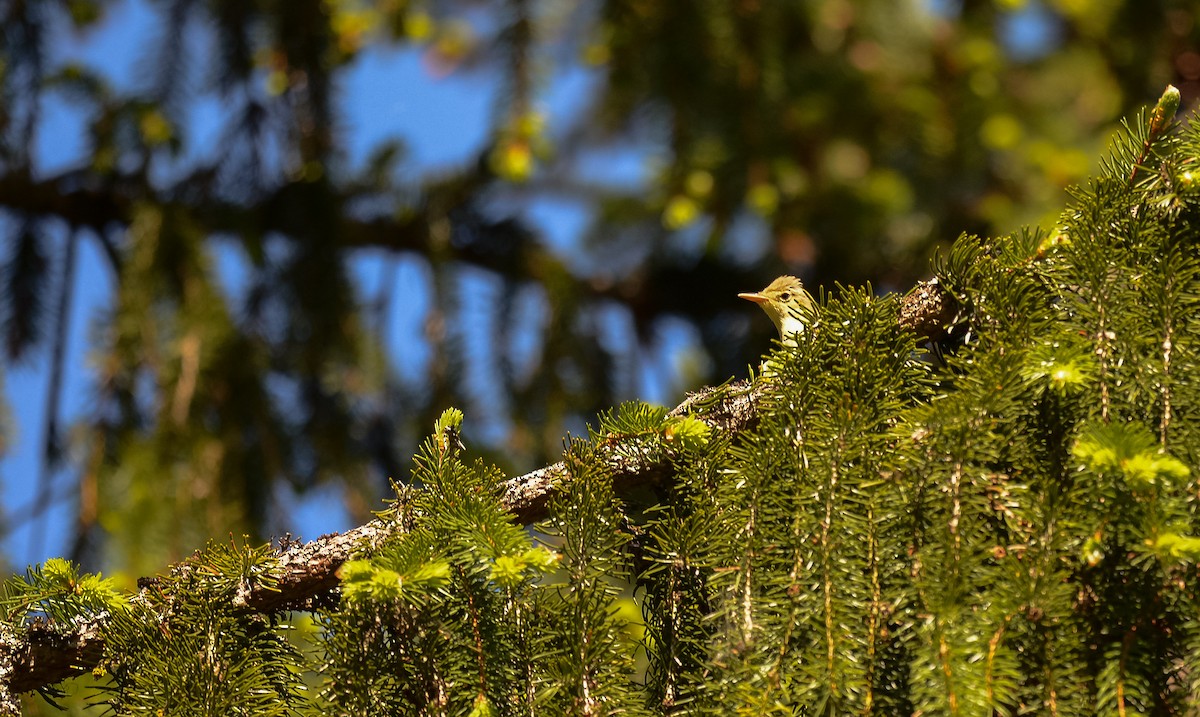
(753, 296)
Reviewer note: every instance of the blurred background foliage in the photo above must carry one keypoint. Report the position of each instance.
(837, 140)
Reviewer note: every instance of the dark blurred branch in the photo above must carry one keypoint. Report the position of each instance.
(63, 197)
(501, 245)
(72, 198)
(307, 573)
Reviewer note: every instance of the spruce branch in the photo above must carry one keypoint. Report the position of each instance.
(306, 573)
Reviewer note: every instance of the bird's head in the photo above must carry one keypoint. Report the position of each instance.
(785, 301)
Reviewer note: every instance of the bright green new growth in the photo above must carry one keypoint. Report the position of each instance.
(1006, 525)
(57, 591)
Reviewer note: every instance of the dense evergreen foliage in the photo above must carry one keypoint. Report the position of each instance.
(1004, 523)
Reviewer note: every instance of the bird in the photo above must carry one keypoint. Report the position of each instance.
(786, 303)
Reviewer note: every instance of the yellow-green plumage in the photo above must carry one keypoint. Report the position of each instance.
(786, 303)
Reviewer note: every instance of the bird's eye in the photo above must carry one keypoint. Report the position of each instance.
(785, 296)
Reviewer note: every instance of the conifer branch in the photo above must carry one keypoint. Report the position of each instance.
(306, 573)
